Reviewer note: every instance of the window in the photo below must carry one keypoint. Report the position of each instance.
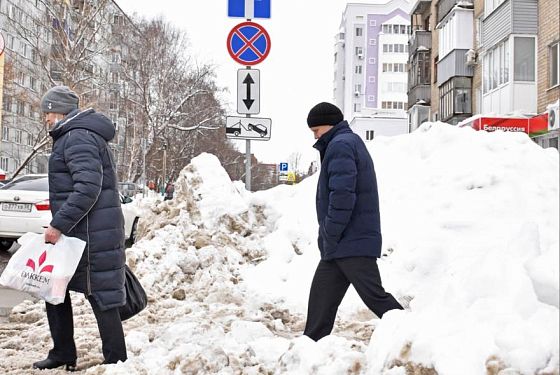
(4, 163)
(7, 104)
(357, 107)
(5, 135)
(358, 69)
(496, 66)
(524, 59)
(29, 139)
(33, 83)
(371, 60)
(373, 22)
(371, 98)
(359, 51)
(554, 65)
(490, 5)
(358, 88)
(359, 31)
(18, 137)
(395, 29)
(387, 29)
(371, 79)
(20, 108)
(369, 135)
(455, 98)
(373, 42)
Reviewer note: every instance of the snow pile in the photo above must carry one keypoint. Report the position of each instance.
(470, 225)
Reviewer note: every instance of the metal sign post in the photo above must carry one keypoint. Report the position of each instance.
(248, 43)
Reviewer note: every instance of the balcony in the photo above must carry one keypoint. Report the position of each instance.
(418, 93)
(445, 6)
(420, 39)
(420, 6)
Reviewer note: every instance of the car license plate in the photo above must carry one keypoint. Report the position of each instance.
(16, 207)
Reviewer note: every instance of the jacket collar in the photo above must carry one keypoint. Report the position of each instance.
(59, 130)
(323, 142)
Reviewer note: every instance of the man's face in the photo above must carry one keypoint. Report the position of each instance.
(318, 131)
(52, 118)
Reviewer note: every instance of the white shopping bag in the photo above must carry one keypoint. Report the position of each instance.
(43, 270)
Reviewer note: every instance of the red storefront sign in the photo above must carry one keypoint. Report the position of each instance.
(532, 126)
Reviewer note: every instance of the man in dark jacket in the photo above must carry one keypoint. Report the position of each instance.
(349, 223)
(85, 204)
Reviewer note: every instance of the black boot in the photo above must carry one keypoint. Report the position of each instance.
(47, 364)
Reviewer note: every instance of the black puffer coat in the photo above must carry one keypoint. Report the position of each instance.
(85, 203)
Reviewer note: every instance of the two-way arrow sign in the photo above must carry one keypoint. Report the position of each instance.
(248, 91)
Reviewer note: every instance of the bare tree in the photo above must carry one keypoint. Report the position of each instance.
(295, 161)
(177, 97)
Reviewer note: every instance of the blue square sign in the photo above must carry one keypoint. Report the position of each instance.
(283, 167)
(249, 8)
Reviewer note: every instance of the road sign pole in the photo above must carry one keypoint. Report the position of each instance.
(248, 164)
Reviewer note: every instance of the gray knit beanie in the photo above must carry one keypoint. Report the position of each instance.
(59, 99)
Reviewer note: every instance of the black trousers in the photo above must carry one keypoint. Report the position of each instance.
(61, 324)
(330, 283)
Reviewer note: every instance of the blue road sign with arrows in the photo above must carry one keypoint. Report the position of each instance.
(249, 9)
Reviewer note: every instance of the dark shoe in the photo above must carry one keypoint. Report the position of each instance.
(47, 364)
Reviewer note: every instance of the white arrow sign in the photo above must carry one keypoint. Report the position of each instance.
(248, 91)
(254, 128)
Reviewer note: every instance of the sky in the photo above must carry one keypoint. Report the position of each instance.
(297, 74)
(473, 247)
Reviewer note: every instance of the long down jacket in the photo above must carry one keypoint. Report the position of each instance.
(85, 203)
(347, 199)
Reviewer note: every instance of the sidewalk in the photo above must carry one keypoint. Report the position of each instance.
(8, 299)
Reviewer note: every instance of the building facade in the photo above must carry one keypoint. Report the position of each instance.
(423, 44)
(495, 57)
(370, 79)
(455, 60)
(548, 79)
(40, 39)
(509, 56)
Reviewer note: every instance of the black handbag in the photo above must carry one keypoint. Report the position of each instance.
(136, 299)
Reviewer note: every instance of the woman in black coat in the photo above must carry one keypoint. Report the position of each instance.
(85, 204)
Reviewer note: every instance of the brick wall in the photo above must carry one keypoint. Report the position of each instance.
(549, 32)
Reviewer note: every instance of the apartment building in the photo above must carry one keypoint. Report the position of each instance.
(423, 93)
(370, 79)
(34, 62)
(509, 56)
(548, 56)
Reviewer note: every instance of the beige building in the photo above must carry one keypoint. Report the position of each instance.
(548, 56)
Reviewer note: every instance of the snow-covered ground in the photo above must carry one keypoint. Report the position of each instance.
(470, 222)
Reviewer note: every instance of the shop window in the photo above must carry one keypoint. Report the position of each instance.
(369, 135)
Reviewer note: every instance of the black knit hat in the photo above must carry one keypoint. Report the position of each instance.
(324, 114)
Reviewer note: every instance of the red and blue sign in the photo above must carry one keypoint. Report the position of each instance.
(248, 43)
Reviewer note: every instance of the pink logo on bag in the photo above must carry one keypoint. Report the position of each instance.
(42, 259)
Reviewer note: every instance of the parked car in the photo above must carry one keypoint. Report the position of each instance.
(129, 189)
(24, 207)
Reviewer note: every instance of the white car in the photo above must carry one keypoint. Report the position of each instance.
(24, 207)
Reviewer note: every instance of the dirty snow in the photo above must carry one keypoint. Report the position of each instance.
(470, 223)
